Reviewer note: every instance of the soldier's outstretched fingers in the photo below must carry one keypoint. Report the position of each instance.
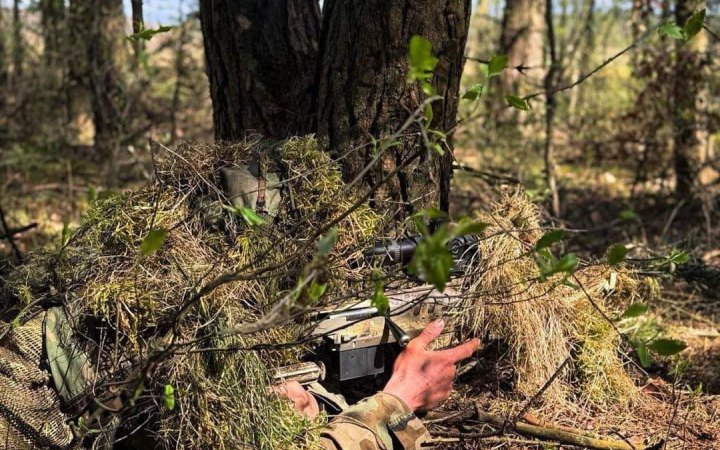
(429, 334)
(462, 351)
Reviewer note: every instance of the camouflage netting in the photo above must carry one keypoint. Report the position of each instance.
(124, 304)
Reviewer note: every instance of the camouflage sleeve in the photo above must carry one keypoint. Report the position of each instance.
(374, 424)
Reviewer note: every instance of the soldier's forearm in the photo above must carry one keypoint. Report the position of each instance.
(373, 423)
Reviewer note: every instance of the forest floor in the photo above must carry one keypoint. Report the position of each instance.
(675, 409)
(678, 410)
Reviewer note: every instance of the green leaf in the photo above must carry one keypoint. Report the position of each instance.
(327, 242)
(432, 261)
(567, 263)
(437, 148)
(248, 215)
(428, 113)
(467, 226)
(92, 194)
(616, 254)
(474, 92)
(65, 236)
(671, 30)
(517, 102)
(251, 217)
(137, 392)
(431, 213)
(148, 33)
(497, 65)
(549, 239)
(635, 310)
(694, 24)
(380, 299)
(422, 62)
(667, 347)
(679, 257)
(643, 354)
(627, 214)
(315, 291)
(169, 397)
(427, 88)
(153, 241)
(422, 217)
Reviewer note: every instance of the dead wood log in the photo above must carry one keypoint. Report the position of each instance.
(554, 433)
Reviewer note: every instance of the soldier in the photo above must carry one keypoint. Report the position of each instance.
(421, 379)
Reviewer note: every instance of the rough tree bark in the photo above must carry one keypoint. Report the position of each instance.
(363, 90)
(261, 58)
(268, 76)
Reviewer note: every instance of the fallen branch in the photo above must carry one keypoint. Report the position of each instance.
(562, 436)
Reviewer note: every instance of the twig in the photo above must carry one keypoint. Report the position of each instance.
(13, 231)
(562, 436)
(9, 233)
(542, 390)
(584, 77)
(711, 32)
(520, 67)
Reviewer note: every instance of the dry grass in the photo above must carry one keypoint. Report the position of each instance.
(128, 301)
(125, 302)
(545, 322)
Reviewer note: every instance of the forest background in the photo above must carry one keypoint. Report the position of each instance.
(605, 114)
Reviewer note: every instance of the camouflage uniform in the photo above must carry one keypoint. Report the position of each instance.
(380, 422)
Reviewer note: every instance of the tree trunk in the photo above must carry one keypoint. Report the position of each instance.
(100, 35)
(550, 82)
(180, 73)
(18, 43)
(363, 89)
(687, 146)
(138, 23)
(3, 55)
(521, 39)
(261, 58)
(52, 14)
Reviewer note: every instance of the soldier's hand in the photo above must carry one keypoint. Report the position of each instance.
(303, 401)
(423, 378)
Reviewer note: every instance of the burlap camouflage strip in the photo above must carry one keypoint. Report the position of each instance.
(372, 423)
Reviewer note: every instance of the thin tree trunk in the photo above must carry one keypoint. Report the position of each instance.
(687, 148)
(18, 43)
(138, 23)
(103, 54)
(521, 39)
(363, 90)
(3, 53)
(549, 154)
(586, 44)
(179, 77)
(261, 57)
(52, 14)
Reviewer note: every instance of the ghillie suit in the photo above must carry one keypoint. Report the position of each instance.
(169, 304)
